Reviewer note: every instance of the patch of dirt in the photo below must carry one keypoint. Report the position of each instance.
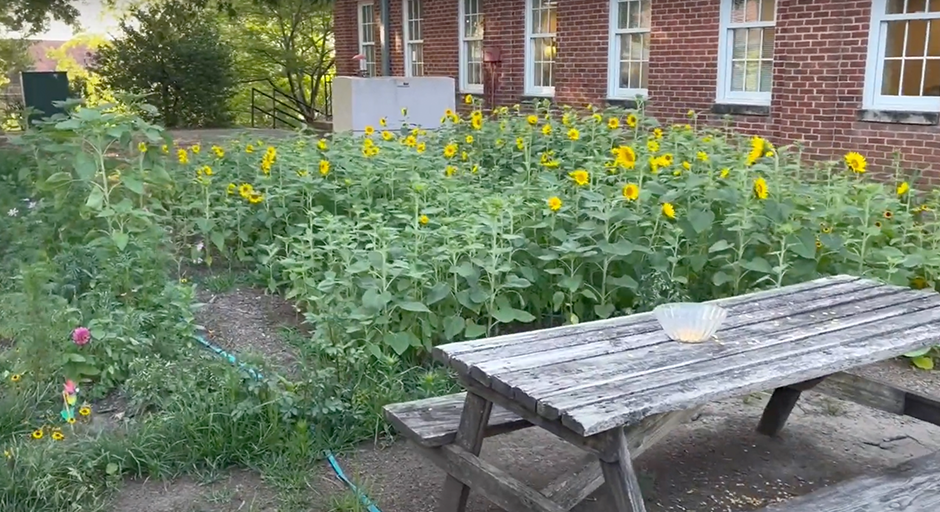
(240, 491)
(716, 463)
(246, 321)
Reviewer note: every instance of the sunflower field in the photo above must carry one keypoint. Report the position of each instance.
(402, 238)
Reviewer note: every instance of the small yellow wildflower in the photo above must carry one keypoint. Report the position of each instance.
(574, 134)
(183, 156)
(856, 162)
(547, 129)
(423, 220)
(520, 143)
(686, 165)
(701, 155)
(196, 149)
(420, 147)
(669, 210)
(450, 170)
(207, 170)
(580, 177)
(448, 113)
(37, 434)
(554, 203)
(219, 152)
(469, 139)
(165, 148)
(142, 147)
(724, 172)
(321, 145)
(613, 123)
(464, 156)
(532, 120)
(760, 188)
(58, 436)
(677, 172)
(383, 122)
(690, 113)
(474, 168)
(249, 149)
(468, 99)
(324, 167)
(231, 188)
(903, 188)
(631, 191)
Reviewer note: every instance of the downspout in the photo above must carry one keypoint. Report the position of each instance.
(386, 47)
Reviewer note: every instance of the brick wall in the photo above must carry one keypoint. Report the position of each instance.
(820, 51)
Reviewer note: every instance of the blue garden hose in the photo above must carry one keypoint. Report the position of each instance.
(334, 465)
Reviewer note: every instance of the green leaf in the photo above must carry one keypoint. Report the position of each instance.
(719, 278)
(620, 248)
(513, 281)
(133, 184)
(523, 316)
(218, 239)
(120, 239)
(805, 245)
(77, 358)
(558, 300)
(375, 350)
(111, 468)
(603, 310)
(414, 306)
(923, 362)
(473, 330)
(95, 198)
(720, 245)
(398, 341)
(918, 353)
(701, 220)
(375, 300)
(624, 281)
(437, 293)
(358, 266)
(504, 315)
(453, 325)
(58, 179)
(85, 166)
(758, 264)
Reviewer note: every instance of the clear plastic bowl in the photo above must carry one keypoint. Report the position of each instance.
(690, 322)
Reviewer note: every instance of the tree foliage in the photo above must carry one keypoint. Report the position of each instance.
(286, 45)
(84, 82)
(30, 17)
(173, 52)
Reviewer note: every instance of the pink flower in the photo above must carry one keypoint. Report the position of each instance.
(81, 336)
(70, 388)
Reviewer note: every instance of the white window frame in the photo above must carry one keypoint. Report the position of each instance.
(726, 52)
(465, 86)
(406, 36)
(362, 44)
(529, 88)
(614, 91)
(874, 66)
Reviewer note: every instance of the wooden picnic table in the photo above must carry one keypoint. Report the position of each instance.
(615, 387)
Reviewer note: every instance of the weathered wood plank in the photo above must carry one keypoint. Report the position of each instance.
(434, 421)
(881, 395)
(616, 405)
(569, 490)
(639, 331)
(739, 326)
(911, 487)
(495, 484)
(529, 385)
(486, 348)
(816, 338)
(469, 439)
(621, 477)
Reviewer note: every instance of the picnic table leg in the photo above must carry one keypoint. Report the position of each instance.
(780, 406)
(621, 477)
(470, 433)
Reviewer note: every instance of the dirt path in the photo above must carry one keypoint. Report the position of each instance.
(716, 463)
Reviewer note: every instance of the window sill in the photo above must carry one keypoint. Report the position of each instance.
(740, 109)
(899, 117)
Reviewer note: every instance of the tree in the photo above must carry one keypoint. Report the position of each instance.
(30, 17)
(286, 43)
(84, 82)
(14, 57)
(173, 52)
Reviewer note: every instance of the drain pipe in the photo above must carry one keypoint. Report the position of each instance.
(386, 41)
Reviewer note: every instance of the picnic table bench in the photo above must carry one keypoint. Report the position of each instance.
(615, 387)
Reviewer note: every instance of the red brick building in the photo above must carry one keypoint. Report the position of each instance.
(839, 75)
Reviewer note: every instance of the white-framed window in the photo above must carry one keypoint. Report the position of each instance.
(746, 51)
(413, 37)
(628, 65)
(367, 30)
(903, 68)
(541, 24)
(471, 46)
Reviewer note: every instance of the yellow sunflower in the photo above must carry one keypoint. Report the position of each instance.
(631, 120)
(613, 123)
(450, 150)
(532, 120)
(324, 167)
(58, 436)
(760, 188)
(624, 156)
(423, 220)
(547, 129)
(580, 177)
(554, 203)
(669, 210)
(856, 162)
(574, 134)
(38, 433)
(903, 188)
(631, 191)
(369, 130)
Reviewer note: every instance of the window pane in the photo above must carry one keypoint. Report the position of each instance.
(739, 43)
(766, 75)
(752, 73)
(752, 10)
(537, 74)
(633, 21)
(895, 39)
(932, 78)
(623, 13)
(934, 46)
(635, 70)
(737, 76)
(624, 74)
(912, 75)
(894, 7)
(737, 11)
(934, 6)
(646, 13)
(645, 68)
(767, 49)
(754, 43)
(636, 47)
(916, 38)
(916, 5)
(417, 59)
(891, 78)
(768, 10)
